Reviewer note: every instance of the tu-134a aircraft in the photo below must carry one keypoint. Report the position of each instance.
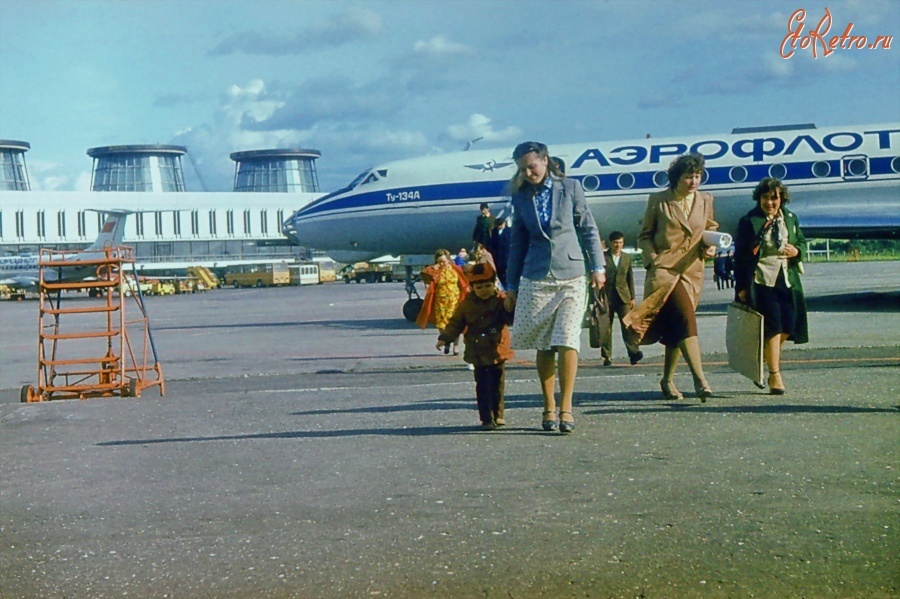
(844, 182)
(23, 272)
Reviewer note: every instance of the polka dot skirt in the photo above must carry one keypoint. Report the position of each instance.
(549, 313)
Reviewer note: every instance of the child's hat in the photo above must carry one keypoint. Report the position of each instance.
(482, 271)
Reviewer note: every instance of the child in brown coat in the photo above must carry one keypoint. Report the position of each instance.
(483, 319)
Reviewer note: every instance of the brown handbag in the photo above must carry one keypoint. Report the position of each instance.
(596, 319)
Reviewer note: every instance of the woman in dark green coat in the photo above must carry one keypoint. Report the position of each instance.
(769, 250)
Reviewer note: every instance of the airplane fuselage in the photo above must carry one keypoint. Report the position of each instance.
(23, 272)
(844, 182)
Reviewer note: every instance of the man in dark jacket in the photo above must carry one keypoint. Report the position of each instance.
(484, 225)
(500, 248)
(619, 295)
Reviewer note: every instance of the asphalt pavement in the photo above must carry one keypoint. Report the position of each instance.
(311, 443)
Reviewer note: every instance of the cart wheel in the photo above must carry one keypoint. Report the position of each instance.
(131, 390)
(26, 394)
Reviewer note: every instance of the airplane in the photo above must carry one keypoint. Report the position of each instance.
(23, 272)
(844, 183)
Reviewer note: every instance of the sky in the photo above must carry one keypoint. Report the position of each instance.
(369, 82)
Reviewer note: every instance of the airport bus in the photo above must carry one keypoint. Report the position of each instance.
(258, 275)
(305, 273)
(327, 269)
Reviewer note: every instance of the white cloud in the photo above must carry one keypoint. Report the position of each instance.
(712, 24)
(51, 176)
(83, 181)
(839, 63)
(210, 145)
(440, 46)
(479, 125)
(867, 12)
(251, 101)
(337, 30)
(774, 64)
(356, 142)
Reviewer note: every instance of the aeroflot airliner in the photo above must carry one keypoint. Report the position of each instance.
(844, 182)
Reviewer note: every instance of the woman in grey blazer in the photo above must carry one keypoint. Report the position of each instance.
(554, 242)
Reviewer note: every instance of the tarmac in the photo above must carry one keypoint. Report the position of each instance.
(313, 444)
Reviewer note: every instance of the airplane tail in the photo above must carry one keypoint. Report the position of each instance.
(113, 230)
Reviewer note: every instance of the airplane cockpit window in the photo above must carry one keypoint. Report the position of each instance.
(359, 178)
(369, 176)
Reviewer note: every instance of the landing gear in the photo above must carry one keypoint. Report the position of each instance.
(131, 389)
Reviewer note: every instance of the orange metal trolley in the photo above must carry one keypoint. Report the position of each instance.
(86, 347)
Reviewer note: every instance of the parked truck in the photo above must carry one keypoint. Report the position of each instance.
(370, 273)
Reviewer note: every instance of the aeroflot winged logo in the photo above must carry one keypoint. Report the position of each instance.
(490, 165)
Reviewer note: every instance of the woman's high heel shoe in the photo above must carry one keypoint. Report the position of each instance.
(703, 390)
(550, 425)
(565, 426)
(776, 385)
(669, 391)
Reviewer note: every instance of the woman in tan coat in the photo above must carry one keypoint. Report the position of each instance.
(671, 239)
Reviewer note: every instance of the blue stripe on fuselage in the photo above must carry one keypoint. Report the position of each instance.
(427, 193)
(431, 195)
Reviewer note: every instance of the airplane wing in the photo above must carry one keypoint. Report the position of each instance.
(19, 282)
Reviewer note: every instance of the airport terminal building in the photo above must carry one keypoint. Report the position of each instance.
(171, 225)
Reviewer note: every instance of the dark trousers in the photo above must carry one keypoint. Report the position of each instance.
(489, 390)
(617, 308)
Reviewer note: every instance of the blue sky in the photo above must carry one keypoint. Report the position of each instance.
(368, 82)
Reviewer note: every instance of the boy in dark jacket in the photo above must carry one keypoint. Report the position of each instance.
(484, 322)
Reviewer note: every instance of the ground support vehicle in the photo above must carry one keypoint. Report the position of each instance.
(366, 272)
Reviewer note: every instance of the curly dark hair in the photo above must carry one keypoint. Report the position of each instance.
(771, 184)
(686, 163)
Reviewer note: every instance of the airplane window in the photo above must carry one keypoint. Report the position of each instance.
(821, 169)
(591, 183)
(661, 178)
(856, 167)
(895, 164)
(738, 174)
(778, 171)
(371, 178)
(382, 173)
(625, 181)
